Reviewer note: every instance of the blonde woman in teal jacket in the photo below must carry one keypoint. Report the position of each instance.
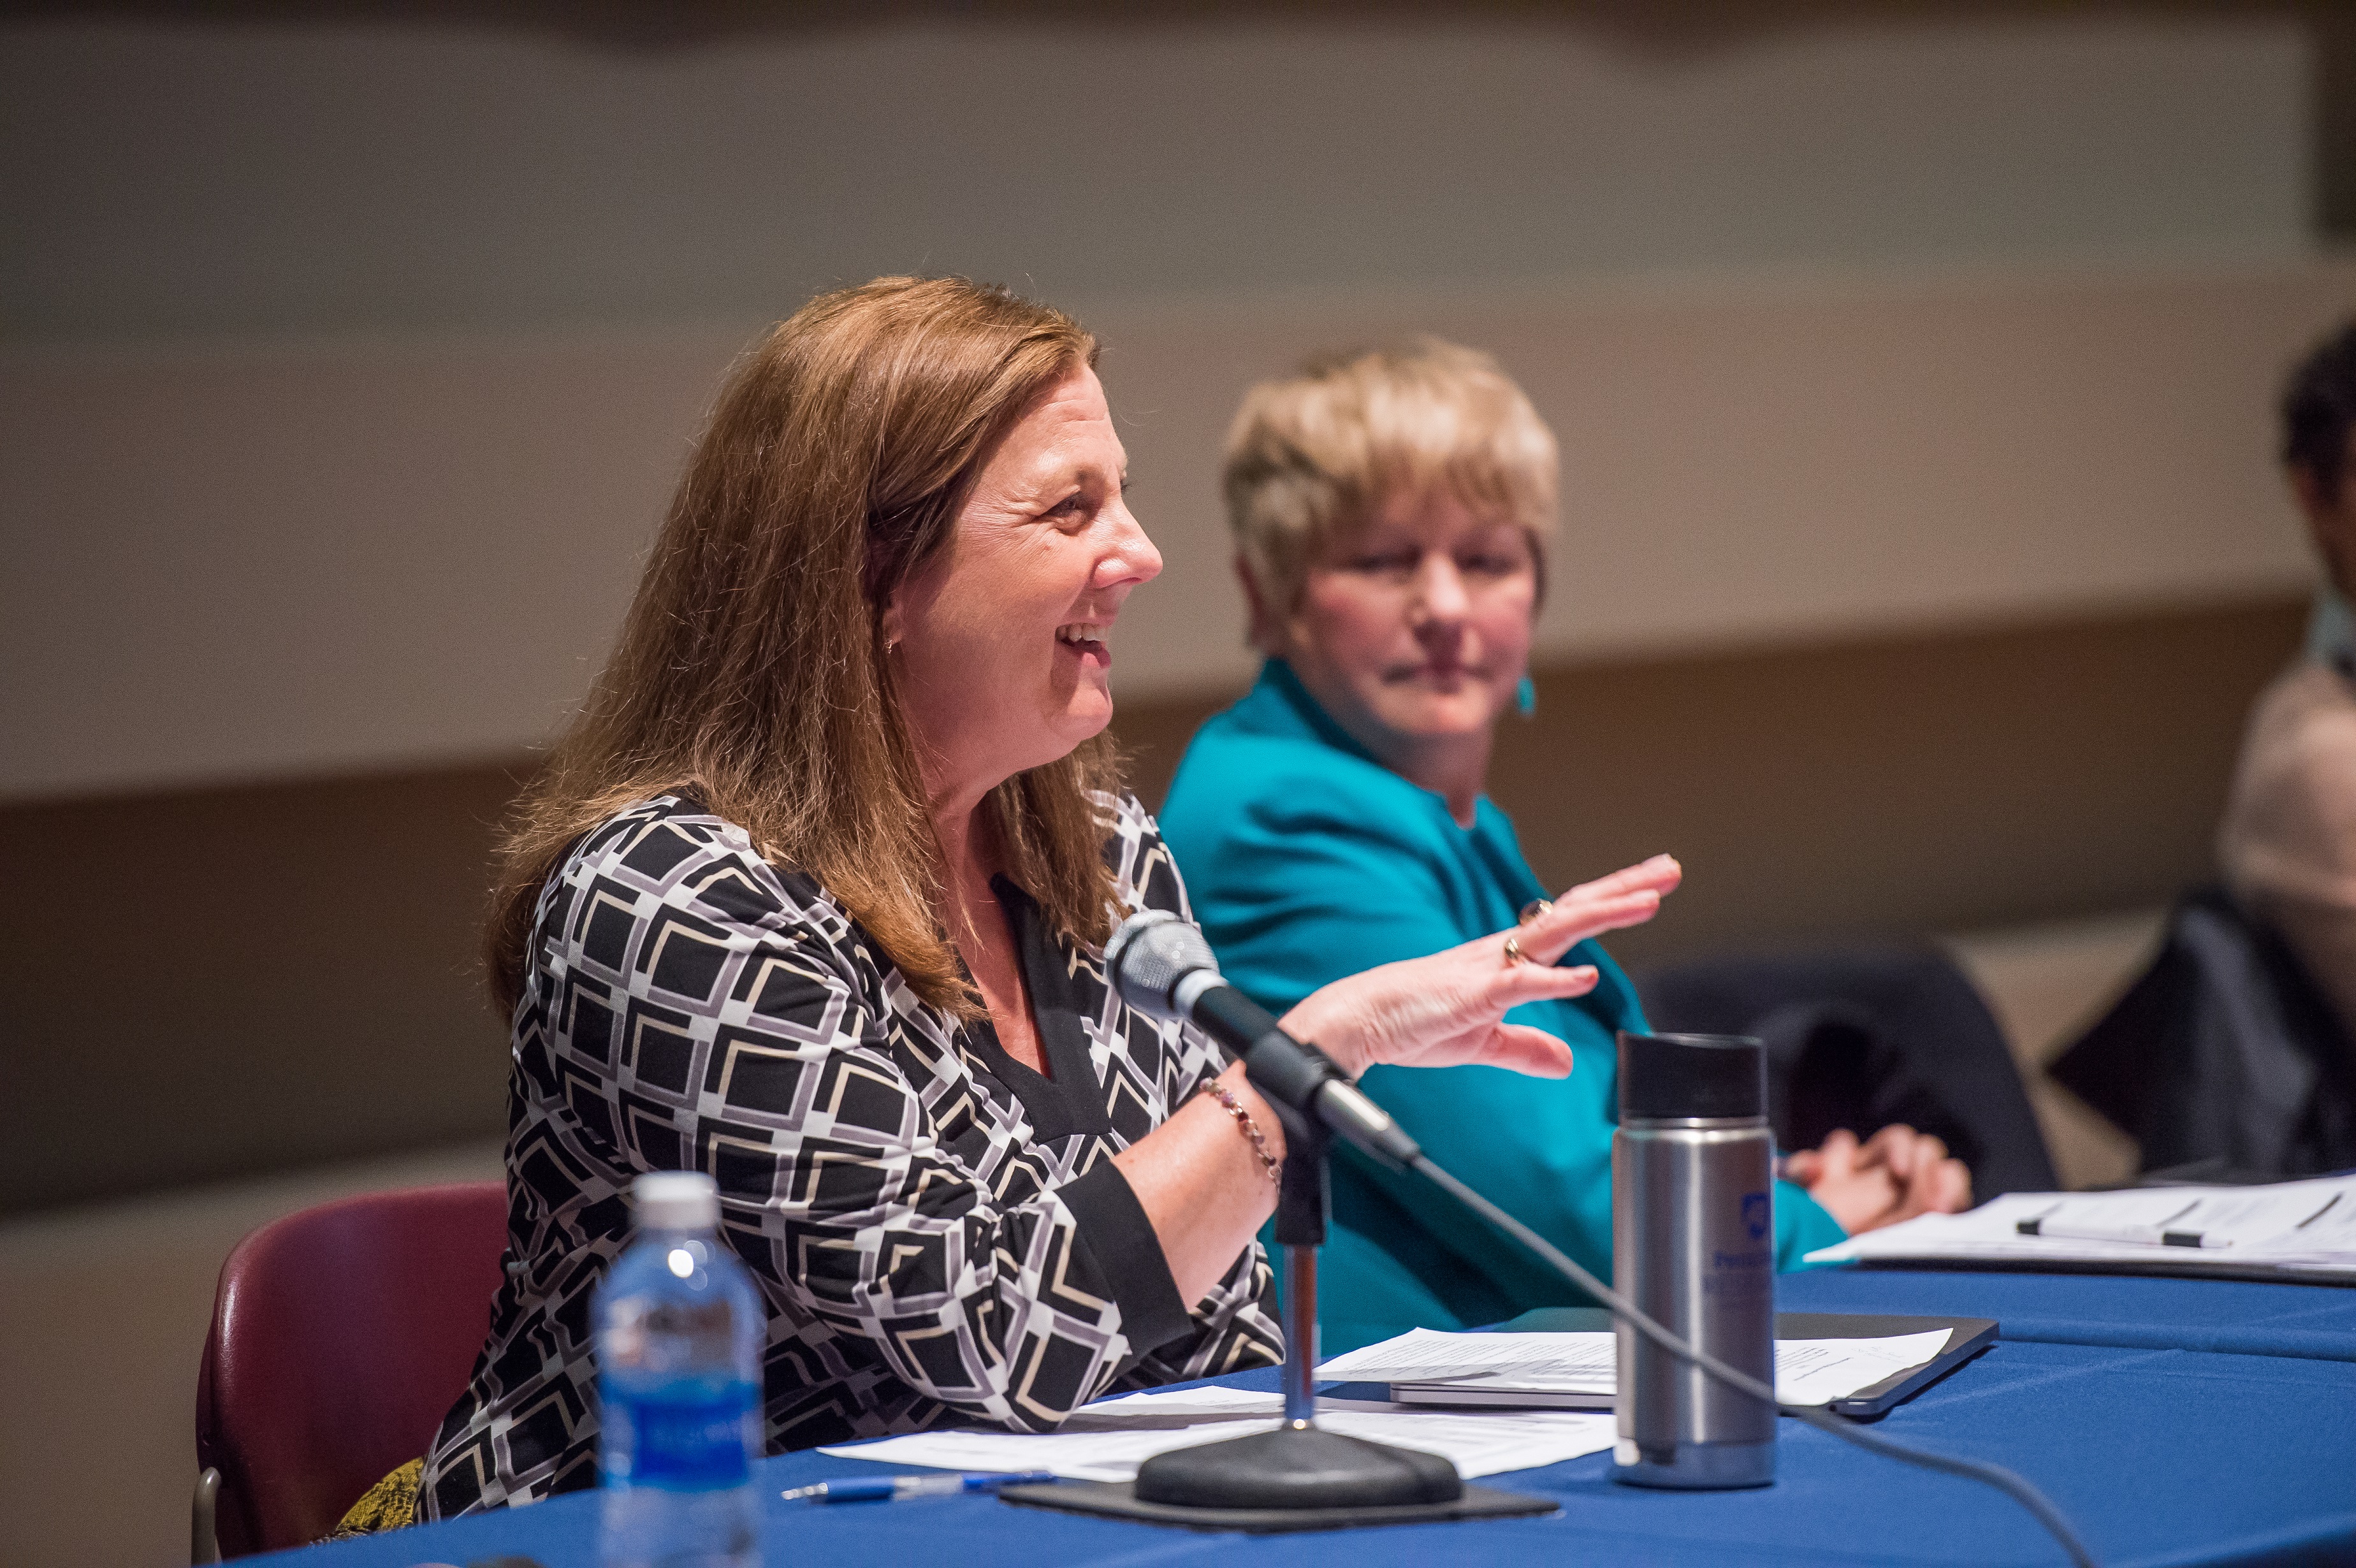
(1391, 512)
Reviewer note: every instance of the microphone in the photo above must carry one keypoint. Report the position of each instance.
(1161, 966)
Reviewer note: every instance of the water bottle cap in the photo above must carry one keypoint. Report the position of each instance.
(675, 1201)
(1667, 1077)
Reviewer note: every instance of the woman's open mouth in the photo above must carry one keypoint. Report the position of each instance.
(1086, 639)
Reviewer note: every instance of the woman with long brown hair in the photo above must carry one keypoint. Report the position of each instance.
(812, 898)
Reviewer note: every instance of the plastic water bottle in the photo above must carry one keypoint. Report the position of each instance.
(679, 1328)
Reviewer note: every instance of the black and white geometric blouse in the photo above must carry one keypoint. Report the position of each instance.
(940, 1232)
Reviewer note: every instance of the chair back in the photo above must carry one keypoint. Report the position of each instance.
(2223, 1056)
(341, 1336)
(1863, 1036)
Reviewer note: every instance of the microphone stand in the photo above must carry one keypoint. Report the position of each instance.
(1301, 1475)
(1298, 1476)
(1303, 1204)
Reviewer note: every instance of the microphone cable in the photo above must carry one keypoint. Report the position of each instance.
(2005, 1481)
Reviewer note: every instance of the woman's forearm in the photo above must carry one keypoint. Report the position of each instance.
(1203, 1184)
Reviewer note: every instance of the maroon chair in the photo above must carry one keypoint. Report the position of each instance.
(341, 1336)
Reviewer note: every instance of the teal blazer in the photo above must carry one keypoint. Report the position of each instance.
(1306, 860)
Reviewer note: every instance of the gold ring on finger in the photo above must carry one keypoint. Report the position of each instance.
(1512, 951)
(1534, 909)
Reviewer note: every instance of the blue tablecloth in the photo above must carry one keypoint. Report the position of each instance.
(2234, 1315)
(2161, 1454)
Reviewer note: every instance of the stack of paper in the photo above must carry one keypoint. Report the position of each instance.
(1107, 1440)
(2300, 1229)
(1529, 1377)
(1578, 1371)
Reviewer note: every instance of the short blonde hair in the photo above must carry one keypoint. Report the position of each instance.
(1318, 453)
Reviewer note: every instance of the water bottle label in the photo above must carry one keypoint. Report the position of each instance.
(682, 1441)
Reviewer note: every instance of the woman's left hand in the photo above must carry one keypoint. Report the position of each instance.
(1449, 1009)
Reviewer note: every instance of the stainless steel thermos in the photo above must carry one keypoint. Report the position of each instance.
(1693, 1246)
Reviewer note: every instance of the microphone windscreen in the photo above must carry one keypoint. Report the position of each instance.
(1151, 951)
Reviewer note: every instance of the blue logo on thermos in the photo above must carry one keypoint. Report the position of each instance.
(1756, 1216)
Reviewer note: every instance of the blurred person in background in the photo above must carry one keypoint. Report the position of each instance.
(2288, 841)
(1392, 513)
(2233, 1056)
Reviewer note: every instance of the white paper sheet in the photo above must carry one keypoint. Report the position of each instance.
(2302, 1227)
(1807, 1371)
(1817, 1371)
(1108, 1440)
(1429, 1355)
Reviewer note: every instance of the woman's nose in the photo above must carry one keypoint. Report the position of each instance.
(1131, 558)
(1440, 590)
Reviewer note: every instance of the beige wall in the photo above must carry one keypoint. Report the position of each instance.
(355, 556)
(1789, 463)
(347, 362)
(318, 167)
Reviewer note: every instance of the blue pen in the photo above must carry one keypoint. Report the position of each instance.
(891, 1489)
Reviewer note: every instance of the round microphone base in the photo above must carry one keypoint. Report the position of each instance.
(1295, 1478)
(1297, 1467)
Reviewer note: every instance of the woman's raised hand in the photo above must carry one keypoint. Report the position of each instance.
(1449, 1008)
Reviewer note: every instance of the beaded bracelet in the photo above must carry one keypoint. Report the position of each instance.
(1226, 1097)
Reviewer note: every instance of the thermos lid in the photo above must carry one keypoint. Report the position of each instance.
(1677, 1076)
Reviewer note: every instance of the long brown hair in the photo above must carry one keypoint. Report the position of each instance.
(751, 671)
